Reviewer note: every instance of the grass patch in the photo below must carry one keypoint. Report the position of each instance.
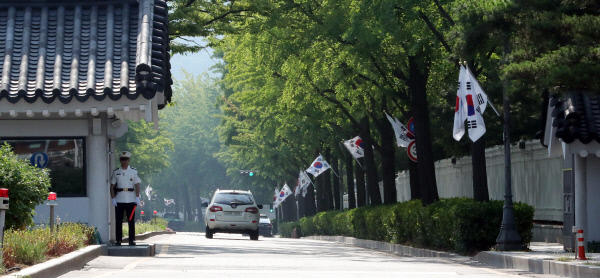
(32, 246)
(565, 259)
(155, 225)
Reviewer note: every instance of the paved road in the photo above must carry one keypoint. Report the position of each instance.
(192, 255)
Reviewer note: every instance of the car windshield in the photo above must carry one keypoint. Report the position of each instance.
(228, 198)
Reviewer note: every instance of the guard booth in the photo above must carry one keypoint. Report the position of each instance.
(72, 72)
(572, 130)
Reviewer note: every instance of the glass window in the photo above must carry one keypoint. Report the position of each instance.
(228, 198)
(64, 157)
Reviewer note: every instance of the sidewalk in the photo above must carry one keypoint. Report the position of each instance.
(544, 258)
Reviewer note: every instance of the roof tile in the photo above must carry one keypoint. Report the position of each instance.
(80, 49)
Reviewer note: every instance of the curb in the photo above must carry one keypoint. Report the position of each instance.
(72, 261)
(146, 235)
(387, 247)
(61, 265)
(539, 266)
(497, 259)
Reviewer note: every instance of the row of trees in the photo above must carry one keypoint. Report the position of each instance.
(300, 76)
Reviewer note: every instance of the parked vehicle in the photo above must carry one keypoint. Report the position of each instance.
(265, 228)
(232, 211)
(175, 222)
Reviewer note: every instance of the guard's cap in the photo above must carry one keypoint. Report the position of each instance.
(125, 154)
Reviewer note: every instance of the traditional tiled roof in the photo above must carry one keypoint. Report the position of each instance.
(65, 50)
(575, 116)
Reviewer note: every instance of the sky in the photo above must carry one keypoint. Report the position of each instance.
(195, 63)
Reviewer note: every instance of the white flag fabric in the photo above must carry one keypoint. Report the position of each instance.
(459, 110)
(482, 98)
(318, 166)
(303, 183)
(475, 122)
(168, 202)
(284, 193)
(354, 147)
(402, 139)
(275, 204)
(148, 191)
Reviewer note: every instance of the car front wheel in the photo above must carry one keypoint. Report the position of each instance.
(209, 233)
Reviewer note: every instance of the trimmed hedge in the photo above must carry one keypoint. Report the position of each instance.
(459, 225)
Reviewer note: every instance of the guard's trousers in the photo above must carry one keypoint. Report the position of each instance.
(126, 208)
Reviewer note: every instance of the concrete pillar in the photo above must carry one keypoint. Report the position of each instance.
(111, 208)
(97, 180)
(580, 193)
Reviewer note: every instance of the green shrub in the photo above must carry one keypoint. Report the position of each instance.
(286, 229)
(27, 185)
(457, 224)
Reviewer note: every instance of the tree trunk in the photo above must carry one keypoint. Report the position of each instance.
(319, 181)
(336, 184)
(413, 171)
(187, 206)
(301, 210)
(327, 198)
(388, 159)
(361, 190)
(372, 180)
(350, 181)
(417, 84)
(328, 194)
(289, 209)
(480, 186)
(310, 208)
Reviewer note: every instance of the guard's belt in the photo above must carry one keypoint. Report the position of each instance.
(124, 189)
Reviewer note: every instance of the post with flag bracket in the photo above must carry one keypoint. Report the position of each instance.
(3, 208)
(51, 203)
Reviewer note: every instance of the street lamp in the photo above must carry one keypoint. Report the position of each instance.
(508, 239)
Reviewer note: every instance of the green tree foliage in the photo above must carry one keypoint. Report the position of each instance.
(27, 187)
(148, 148)
(191, 123)
(554, 45)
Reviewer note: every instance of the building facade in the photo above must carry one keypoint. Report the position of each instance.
(72, 74)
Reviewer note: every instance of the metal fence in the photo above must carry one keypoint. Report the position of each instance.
(536, 179)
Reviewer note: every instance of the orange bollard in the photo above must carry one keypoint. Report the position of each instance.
(580, 245)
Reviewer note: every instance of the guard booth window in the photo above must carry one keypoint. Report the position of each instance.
(64, 157)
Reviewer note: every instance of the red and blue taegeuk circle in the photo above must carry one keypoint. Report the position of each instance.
(359, 143)
(318, 165)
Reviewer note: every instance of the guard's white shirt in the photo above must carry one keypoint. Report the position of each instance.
(125, 179)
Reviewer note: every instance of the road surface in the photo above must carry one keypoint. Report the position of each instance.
(192, 255)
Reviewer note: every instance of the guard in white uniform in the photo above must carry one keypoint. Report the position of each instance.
(125, 193)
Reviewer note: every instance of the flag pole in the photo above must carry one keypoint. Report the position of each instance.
(488, 99)
(331, 168)
(354, 159)
(309, 179)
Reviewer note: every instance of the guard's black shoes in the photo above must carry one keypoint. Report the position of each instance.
(118, 243)
(132, 243)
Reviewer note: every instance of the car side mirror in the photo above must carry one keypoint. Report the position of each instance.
(204, 205)
(260, 206)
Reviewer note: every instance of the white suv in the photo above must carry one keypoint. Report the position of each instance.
(232, 211)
